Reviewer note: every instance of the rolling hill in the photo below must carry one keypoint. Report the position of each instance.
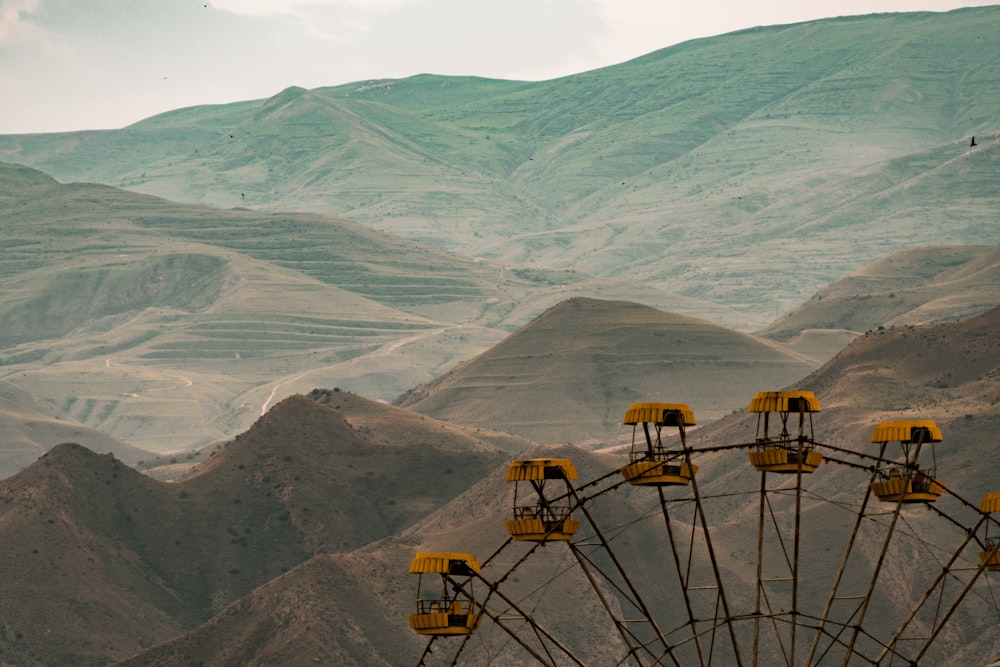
(729, 179)
(749, 169)
(564, 376)
(350, 608)
(172, 326)
(29, 427)
(658, 209)
(118, 561)
(917, 286)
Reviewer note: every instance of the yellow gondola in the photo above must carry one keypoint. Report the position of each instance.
(546, 518)
(453, 611)
(991, 557)
(783, 452)
(652, 464)
(906, 482)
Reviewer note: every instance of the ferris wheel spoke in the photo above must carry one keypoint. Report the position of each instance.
(683, 574)
(545, 637)
(855, 623)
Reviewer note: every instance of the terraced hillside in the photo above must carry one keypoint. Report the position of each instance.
(750, 169)
(170, 326)
(31, 426)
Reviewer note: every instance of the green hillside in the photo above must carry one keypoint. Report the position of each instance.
(168, 325)
(749, 169)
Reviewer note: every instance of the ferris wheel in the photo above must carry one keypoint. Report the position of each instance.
(809, 584)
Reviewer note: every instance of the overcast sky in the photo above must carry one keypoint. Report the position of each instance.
(92, 64)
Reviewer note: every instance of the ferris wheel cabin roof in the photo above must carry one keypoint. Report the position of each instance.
(662, 414)
(538, 469)
(990, 502)
(906, 431)
(784, 401)
(443, 563)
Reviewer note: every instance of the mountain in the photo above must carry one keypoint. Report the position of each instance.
(564, 377)
(103, 561)
(385, 424)
(916, 286)
(172, 326)
(349, 608)
(749, 169)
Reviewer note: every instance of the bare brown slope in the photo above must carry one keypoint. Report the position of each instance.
(566, 376)
(949, 373)
(76, 589)
(384, 424)
(350, 609)
(323, 610)
(118, 561)
(918, 286)
(379, 488)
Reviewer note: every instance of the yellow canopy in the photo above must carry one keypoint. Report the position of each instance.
(657, 413)
(784, 401)
(535, 469)
(441, 562)
(903, 431)
(990, 502)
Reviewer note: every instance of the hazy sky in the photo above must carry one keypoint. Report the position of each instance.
(89, 64)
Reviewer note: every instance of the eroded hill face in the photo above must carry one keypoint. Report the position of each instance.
(118, 561)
